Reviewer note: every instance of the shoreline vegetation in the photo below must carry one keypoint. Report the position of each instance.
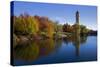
(28, 28)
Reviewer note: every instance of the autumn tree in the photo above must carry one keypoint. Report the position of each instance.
(67, 28)
(25, 24)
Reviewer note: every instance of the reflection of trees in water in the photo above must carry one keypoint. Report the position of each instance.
(46, 46)
(83, 39)
(26, 51)
(74, 38)
(66, 40)
(58, 43)
(77, 41)
(31, 51)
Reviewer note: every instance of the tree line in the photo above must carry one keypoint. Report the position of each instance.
(41, 27)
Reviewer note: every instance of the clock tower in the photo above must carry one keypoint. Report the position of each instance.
(77, 17)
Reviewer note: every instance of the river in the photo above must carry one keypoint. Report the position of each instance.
(49, 51)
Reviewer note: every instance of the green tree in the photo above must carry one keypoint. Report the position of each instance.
(83, 29)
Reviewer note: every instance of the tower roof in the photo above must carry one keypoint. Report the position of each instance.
(77, 11)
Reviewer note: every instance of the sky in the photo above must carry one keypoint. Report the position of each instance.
(63, 13)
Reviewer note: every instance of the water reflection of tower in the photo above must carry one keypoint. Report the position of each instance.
(76, 43)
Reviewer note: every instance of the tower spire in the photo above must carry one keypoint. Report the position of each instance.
(77, 17)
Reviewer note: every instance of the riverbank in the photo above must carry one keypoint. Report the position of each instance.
(26, 38)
